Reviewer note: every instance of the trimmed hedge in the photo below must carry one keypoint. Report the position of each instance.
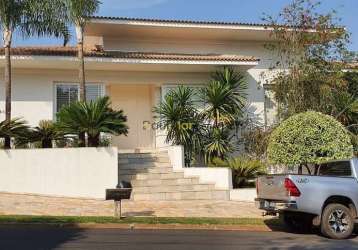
(309, 137)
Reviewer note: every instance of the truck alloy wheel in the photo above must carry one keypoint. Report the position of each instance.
(337, 222)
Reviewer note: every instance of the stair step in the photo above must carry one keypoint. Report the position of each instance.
(185, 195)
(142, 155)
(165, 176)
(174, 188)
(167, 182)
(150, 176)
(157, 170)
(141, 165)
(143, 160)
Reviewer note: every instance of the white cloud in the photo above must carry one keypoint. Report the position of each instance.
(129, 4)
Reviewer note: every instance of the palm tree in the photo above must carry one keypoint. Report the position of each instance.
(29, 17)
(225, 101)
(177, 114)
(79, 11)
(92, 118)
(45, 133)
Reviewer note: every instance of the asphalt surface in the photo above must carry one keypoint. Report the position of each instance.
(57, 238)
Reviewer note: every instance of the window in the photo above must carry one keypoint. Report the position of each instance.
(68, 93)
(340, 168)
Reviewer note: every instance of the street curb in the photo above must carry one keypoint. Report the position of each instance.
(134, 226)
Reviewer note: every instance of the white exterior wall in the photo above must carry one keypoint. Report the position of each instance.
(74, 172)
(33, 91)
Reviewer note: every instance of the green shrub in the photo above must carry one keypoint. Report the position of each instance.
(41, 136)
(244, 169)
(309, 137)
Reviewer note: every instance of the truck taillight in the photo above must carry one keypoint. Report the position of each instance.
(291, 188)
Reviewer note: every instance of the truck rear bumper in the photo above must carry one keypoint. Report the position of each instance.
(275, 206)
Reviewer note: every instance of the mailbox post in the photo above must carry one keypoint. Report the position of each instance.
(122, 192)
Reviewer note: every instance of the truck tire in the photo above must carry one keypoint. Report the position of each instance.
(337, 221)
(297, 222)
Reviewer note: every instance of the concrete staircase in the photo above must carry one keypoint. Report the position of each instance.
(153, 178)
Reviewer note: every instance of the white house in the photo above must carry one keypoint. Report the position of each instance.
(135, 62)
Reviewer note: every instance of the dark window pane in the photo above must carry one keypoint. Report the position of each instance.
(65, 94)
(340, 168)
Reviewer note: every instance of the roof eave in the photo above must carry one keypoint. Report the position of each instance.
(138, 61)
(179, 24)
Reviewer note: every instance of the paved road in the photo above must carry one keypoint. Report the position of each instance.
(162, 239)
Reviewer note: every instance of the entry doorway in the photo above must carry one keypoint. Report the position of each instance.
(136, 102)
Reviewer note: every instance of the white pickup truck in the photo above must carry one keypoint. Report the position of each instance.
(324, 195)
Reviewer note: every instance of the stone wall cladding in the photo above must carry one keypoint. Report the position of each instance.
(32, 204)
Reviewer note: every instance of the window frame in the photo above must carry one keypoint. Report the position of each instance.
(58, 83)
(333, 163)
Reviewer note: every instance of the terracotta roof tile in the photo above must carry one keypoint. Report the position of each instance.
(72, 51)
(180, 21)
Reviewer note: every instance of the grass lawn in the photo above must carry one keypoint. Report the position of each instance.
(140, 220)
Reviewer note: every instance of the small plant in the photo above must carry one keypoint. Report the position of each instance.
(41, 136)
(244, 169)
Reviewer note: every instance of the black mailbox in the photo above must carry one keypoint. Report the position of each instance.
(118, 194)
(121, 192)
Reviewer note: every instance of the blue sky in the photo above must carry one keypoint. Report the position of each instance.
(219, 10)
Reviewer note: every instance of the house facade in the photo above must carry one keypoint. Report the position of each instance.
(136, 62)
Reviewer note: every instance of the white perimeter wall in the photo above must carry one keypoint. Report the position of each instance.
(72, 172)
(243, 194)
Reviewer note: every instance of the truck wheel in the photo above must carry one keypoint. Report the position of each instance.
(295, 222)
(337, 221)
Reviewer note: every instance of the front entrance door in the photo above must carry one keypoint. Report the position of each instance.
(136, 102)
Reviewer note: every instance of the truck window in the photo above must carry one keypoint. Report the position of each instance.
(339, 168)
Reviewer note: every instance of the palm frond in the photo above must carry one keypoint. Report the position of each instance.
(225, 97)
(15, 128)
(79, 11)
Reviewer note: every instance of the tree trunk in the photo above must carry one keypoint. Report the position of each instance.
(7, 36)
(46, 143)
(81, 77)
(93, 141)
(81, 69)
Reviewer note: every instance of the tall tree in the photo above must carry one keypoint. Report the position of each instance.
(29, 17)
(307, 53)
(79, 11)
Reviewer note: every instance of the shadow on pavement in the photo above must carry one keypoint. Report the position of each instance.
(277, 225)
(37, 237)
